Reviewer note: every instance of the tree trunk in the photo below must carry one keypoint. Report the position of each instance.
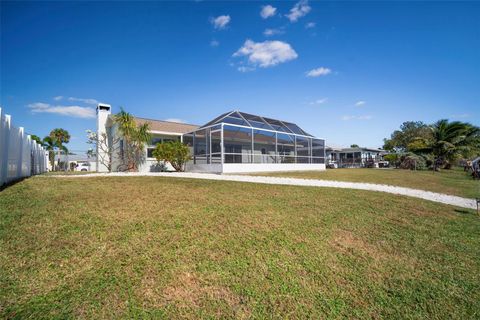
(58, 163)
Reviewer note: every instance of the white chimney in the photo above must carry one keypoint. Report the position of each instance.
(103, 111)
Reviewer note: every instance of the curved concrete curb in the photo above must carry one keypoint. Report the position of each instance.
(422, 194)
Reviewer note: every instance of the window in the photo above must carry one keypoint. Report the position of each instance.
(286, 148)
(188, 140)
(303, 147)
(200, 142)
(264, 146)
(237, 144)
(156, 139)
(318, 160)
(150, 152)
(318, 146)
(216, 142)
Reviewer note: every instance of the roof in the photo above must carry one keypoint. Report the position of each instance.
(356, 149)
(166, 126)
(259, 122)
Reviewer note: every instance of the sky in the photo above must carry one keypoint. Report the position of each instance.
(349, 72)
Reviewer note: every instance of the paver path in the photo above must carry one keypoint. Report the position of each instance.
(422, 194)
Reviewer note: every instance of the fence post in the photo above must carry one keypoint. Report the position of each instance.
(2, 135)
(2, 138)
(20, 156)
(6, 126)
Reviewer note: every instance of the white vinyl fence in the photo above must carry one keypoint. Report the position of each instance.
(20, 156)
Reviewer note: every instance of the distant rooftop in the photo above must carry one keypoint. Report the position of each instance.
(166, 126)
(355, 149)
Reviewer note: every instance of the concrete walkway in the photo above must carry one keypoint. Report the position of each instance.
(426, 195)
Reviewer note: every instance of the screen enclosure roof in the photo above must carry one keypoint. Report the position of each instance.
(257, 122)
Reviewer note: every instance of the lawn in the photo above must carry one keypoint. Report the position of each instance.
(454, 182)
(155, 247)
(67, 173)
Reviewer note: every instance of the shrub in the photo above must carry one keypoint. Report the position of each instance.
(174, 152)
(413, 162)
(393, 159)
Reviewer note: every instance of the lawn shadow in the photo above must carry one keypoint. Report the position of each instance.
(466, 211)
(11, 183)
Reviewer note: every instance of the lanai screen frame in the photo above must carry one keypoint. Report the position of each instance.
(214, 148)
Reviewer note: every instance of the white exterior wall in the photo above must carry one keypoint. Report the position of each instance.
(18, 153)
(103, 111)
(253, 167)
(150, 165)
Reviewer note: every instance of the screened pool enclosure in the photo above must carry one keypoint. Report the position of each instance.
(238, 141)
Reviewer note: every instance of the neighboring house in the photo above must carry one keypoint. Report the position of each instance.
(354, 157)
(233, 142)
(70, 161)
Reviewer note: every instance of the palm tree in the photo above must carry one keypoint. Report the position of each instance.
(135, 137)
(60, 136)
(36, 139)
(49, 144)
(450, 140)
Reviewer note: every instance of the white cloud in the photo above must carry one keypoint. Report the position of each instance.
(318, 72)
(214, 43)
(272, 32)
(58, 98)
(245, 69)
(220, 22)
(360, 103)
(299, 10)
(69, 111)
(268, 11)
(267, 53)
(364, 117)
(175, 120)
(310, 25)
(319, 101)
(87, 101)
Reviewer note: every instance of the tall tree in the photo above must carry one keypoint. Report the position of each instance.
(450, 140)
(49, 144)
(409, 132)
(135, 137)
(60, 137)
(36, 139)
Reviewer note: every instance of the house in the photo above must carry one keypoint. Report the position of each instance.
(357, 157)
(70, 161)
(232, 142)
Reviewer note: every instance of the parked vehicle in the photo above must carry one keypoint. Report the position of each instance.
(82, 166)
(332, 165)
(383, 164)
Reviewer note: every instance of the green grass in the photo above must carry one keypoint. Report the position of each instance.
(454, 182)
(152, 247)
(67, 173)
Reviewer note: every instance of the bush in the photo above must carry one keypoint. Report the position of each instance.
(393, 159)
(174, 152)
(413, 162)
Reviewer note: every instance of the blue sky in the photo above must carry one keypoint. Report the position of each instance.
(350, 72)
